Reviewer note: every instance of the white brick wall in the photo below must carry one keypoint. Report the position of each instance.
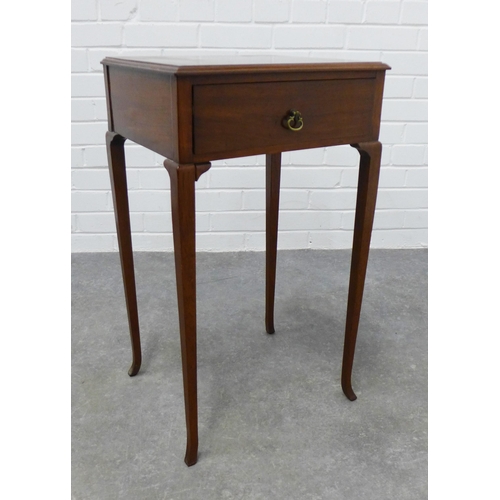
(318, 186)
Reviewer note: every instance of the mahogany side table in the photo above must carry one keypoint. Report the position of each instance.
(193, 111)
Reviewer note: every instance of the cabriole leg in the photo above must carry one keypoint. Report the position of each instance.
(369, 168)
(116, 161)
(273, 171)
(182, 182)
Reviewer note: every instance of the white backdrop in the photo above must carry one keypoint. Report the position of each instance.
(318, 186)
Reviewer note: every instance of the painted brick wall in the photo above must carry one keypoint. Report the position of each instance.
(318, 186)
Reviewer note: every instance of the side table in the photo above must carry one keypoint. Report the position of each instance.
(196, 110)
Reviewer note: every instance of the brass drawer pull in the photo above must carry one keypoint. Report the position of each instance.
(293, 121)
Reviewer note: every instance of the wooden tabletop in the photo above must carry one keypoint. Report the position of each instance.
(240, 64)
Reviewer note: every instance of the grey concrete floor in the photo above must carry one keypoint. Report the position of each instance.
(274, 423)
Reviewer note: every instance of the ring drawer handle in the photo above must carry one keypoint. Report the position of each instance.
(293, 121)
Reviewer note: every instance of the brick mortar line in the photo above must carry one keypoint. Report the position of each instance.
(249, 231)
(329, 189)
(348, 211)
(258, 24)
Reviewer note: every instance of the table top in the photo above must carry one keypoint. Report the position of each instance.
(240, 64)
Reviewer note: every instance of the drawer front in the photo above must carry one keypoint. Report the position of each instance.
(247, 118)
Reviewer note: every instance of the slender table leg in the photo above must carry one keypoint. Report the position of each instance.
(116, 160)
(273, 171)
(369, 169)
(182, 179)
